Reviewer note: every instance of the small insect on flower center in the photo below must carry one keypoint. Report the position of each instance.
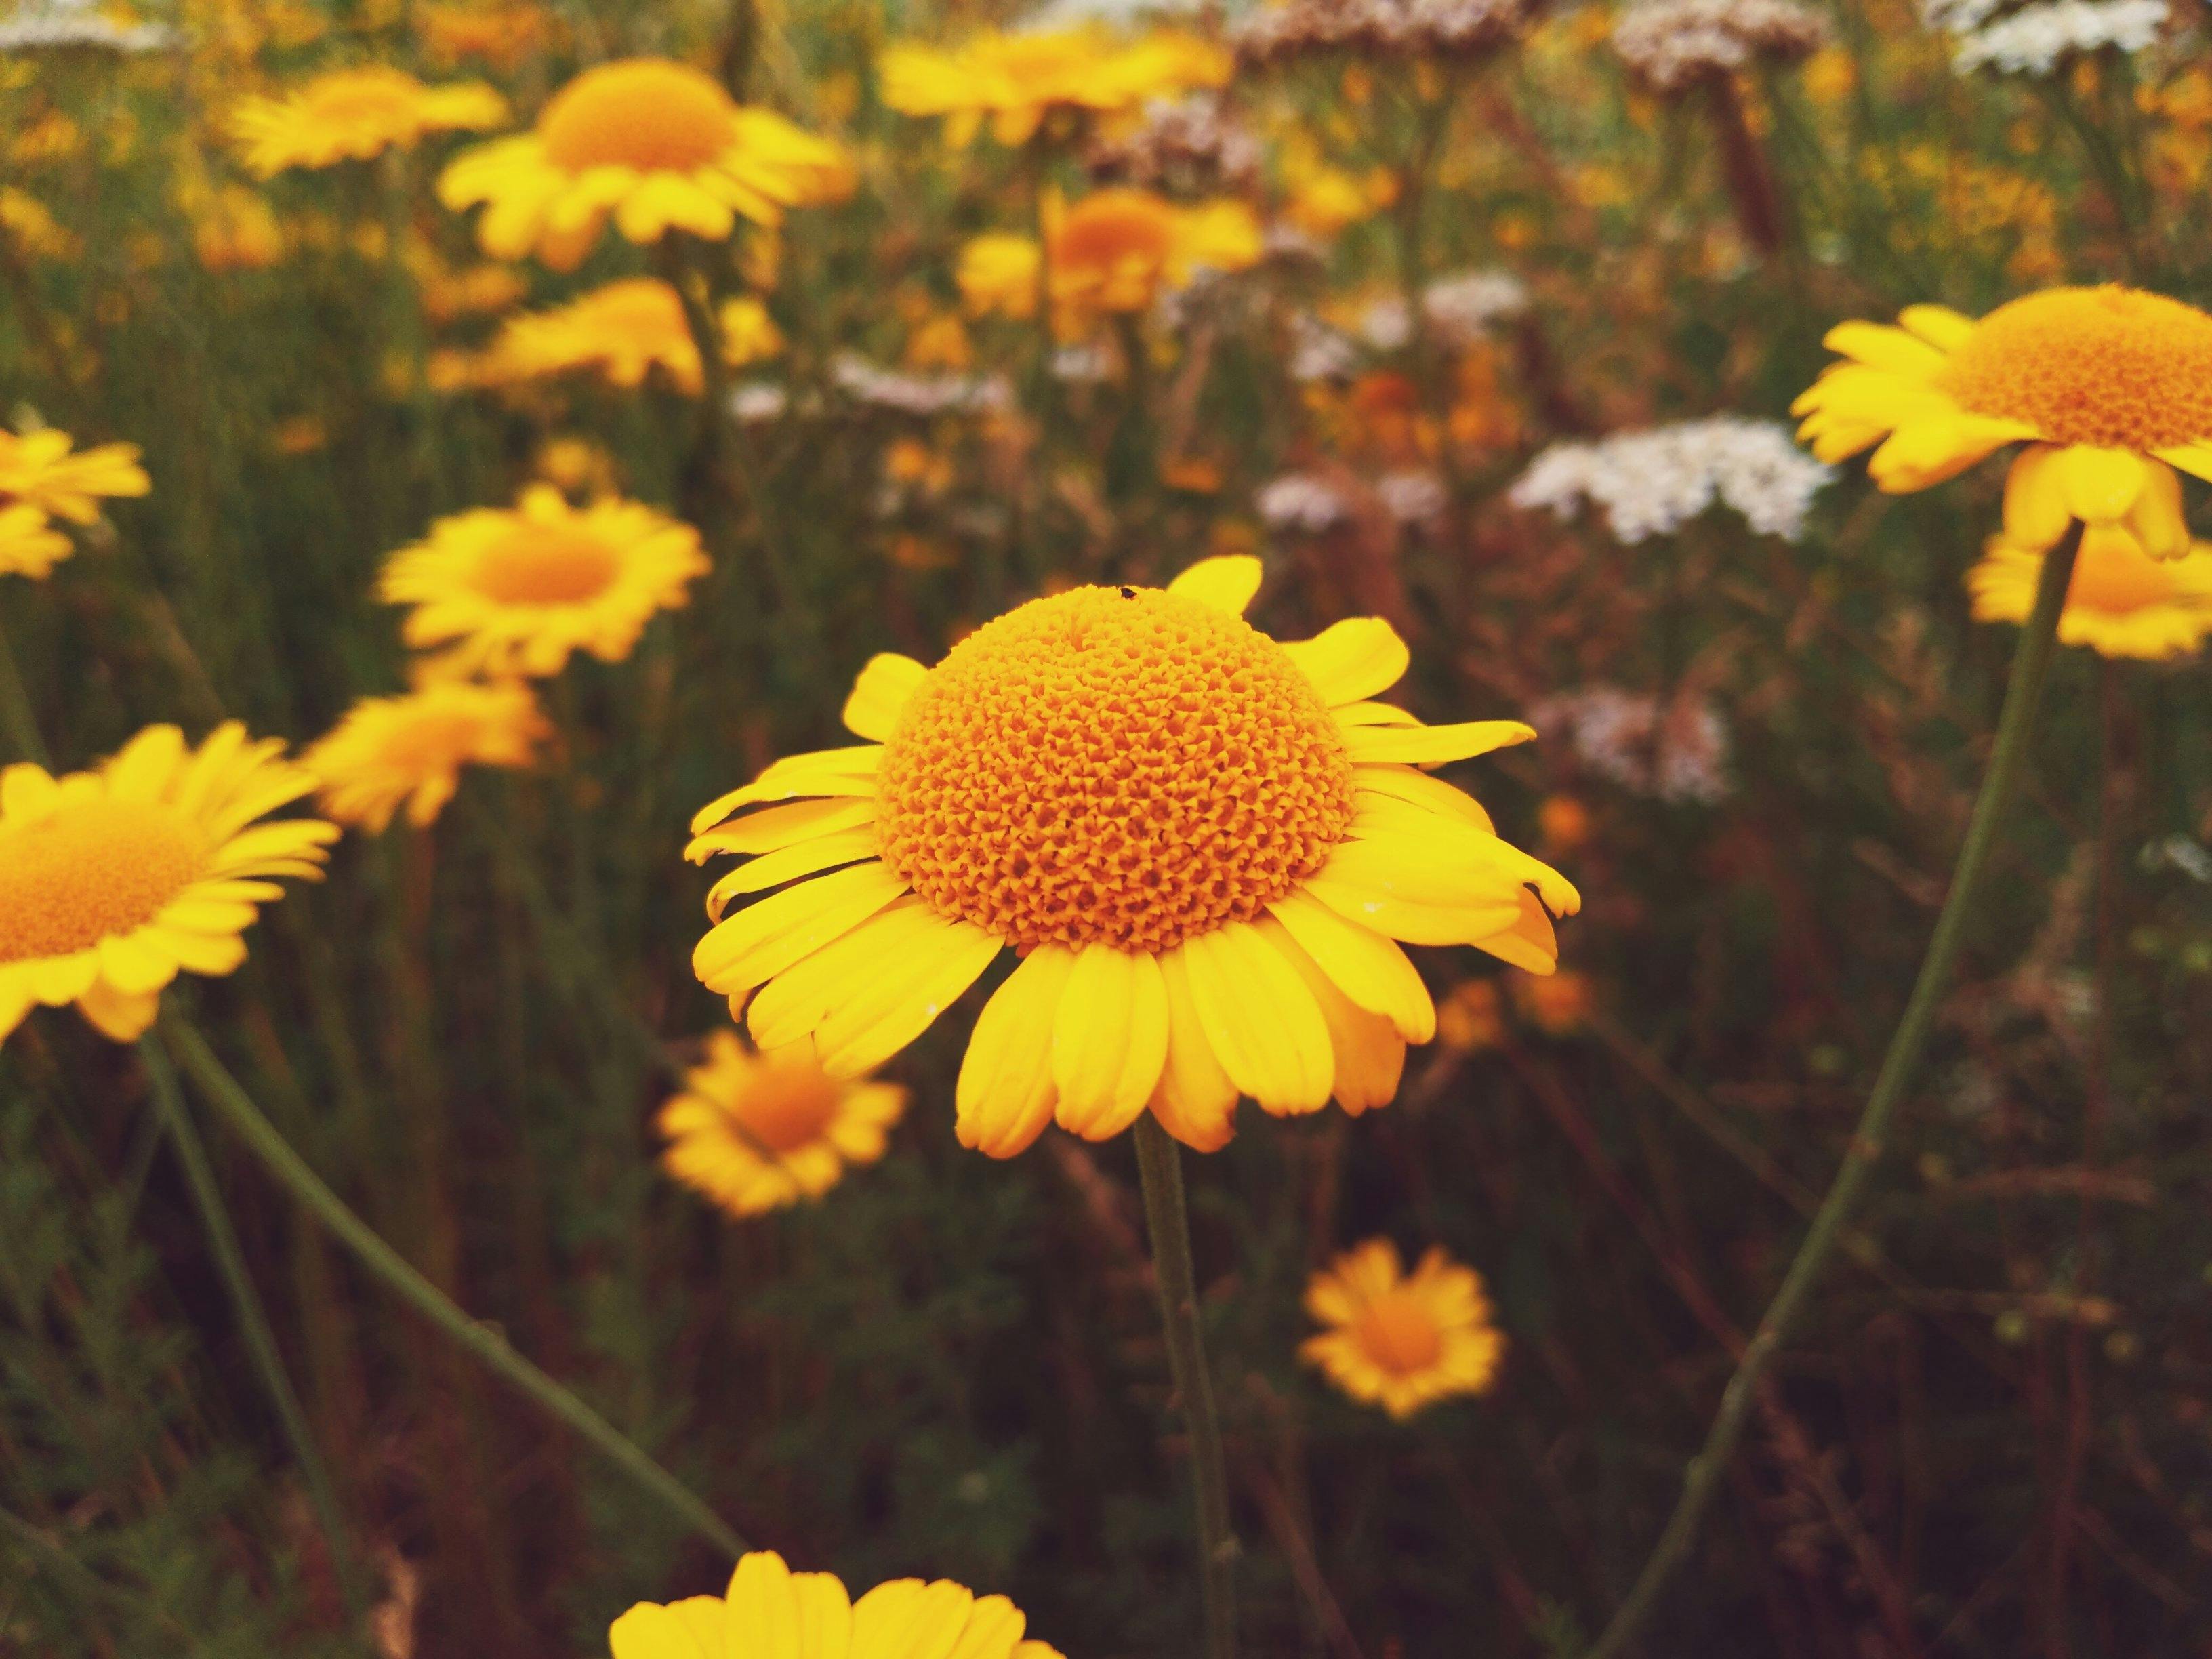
(644, 113)
(91, 871)
(1398, 1334)
(786, 1104)
(544, 564)
(2113, 366)
(2117, 577)
(1121, 766)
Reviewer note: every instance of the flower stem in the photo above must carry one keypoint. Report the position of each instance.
(479, 1338)
(2008, 760)
(18, 725)
(252, 1317)
(1159, 1167)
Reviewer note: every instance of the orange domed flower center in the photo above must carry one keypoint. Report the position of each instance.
(544, 564)
(786, 1105)
(645, 113)
(2113, 575)
(1117, 766)
(1113, 227)
(89, 871)
(1398, 1334)
(2113, 366)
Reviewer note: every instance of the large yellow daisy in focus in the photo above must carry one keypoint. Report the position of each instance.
(1402, 1340)
(2120, 603)
(757, 1132)
(2110, 388)
(771, 1612)
(356, 115)
(1203, 845)
(114, 879)
(1018, 81)
(659, 145)
(515, 591)
(391, 752)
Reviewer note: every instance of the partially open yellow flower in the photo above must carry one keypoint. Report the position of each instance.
(1115, 251)
(757, 1132)
(624, 331)
(1402, 1340)
(2121, 602)
(659, 145)
(514, 591)
(40, 470)
(771, 1612)
(114, 879)
(1201, 844)
(390, 752)
(1018, 81)
(2110, 389)
(356, 115)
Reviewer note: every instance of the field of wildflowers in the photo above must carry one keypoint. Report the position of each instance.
(1357, 829)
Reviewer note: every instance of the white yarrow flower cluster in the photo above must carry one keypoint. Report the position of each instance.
(1459, 308)
(2034, 39)
(1652, 483)
(61, 25)
(1671, 45)
(1676, 755)
(1299, 501)
(919, 394)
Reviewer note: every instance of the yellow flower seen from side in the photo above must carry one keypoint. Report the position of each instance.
(771, 1612)
(29, 544)
(658, 146)
(757, 1131)
(2121, 602)
(356, 115)
(42, 478)
(113, 881)
(1113, 251)
(1016, 82)
(391, 752)
(625, 331)
(2110, 389)
(1203, 846)
(516, 591)
(1400, 1340)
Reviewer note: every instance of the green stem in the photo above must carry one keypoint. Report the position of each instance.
(480, 1339)
(2008, 760)
(1160, 1166)
(17, 722)
(252, 1317)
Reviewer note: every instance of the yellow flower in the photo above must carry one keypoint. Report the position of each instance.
(29, 544)
(1201, 843)
(112, 880)
(1018, 81)
(1402, 1340)
(1115, 251)
(234, 229)
(2111, 388)
(503, 34)
(514, 591)
(771, 1612)
(35, 230)
(390, 752)
(998, 272)
(624, 331)
(355, 115)
(659, 145)
(1557, 1006)
(757, 1131)
(2121, 602)
(38, 468)
(1471, 1016)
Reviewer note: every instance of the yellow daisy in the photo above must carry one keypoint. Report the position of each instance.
(1114, 251)
(356, 115)
(2120, 603)
(757, 1131)
(771, 1612)
(659, 145)
(29, 544)
(1202, 844)
(390, 752)
(112, 880)
(1402, 1340)
(623, 331)
(514, 591)
(2110, 388)
(40, 470)
(1019, 81)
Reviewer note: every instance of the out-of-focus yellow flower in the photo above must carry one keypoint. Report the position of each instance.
(40, 470)
(1324, 200)
(234, 229)
(113, 880)
(2110, 389)
(1830, 74)
(1471, 1016)
(814, 1619)
(998, 272)
(449, 292)
(28, 221)
(356, 115)
(576, 466)
(1556, 1005)
(1018, 82)
(503, 33)
(939, 341)
(2121, 602)
(29, 544)
(390, 752)
(658, 145)
(1114, 251)
(758, 1132)
(516, 591)
(303, 435)
(1564, 823)
(625, 331)
(1402, 1340)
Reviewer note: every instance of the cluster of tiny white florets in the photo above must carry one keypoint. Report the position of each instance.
(62, 25)
(2032, 40)
(1675, 754)
(1652, 483)
(1457, 308)
(1298, 501)
(864, 382)
(1269, 36)
(1672, 45)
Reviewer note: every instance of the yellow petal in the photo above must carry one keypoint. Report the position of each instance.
(1109, 1040)
(134, 963)
(1365, 967)
(880, 693)
(118, 1016)
(1004, 1096)
(1531, 942)
(1941, 326)
(775, 827)
(1263, 1023)
(2193, 459)
(903, 990)
(770, 870)
(2035, 510)
(2099, 485)
(1418, 788)
(1879, 346)
(1196, 1102)
(1352, 659)
(763, 939)
(1369, 1055)
(1227, 583)
(1431, 746)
